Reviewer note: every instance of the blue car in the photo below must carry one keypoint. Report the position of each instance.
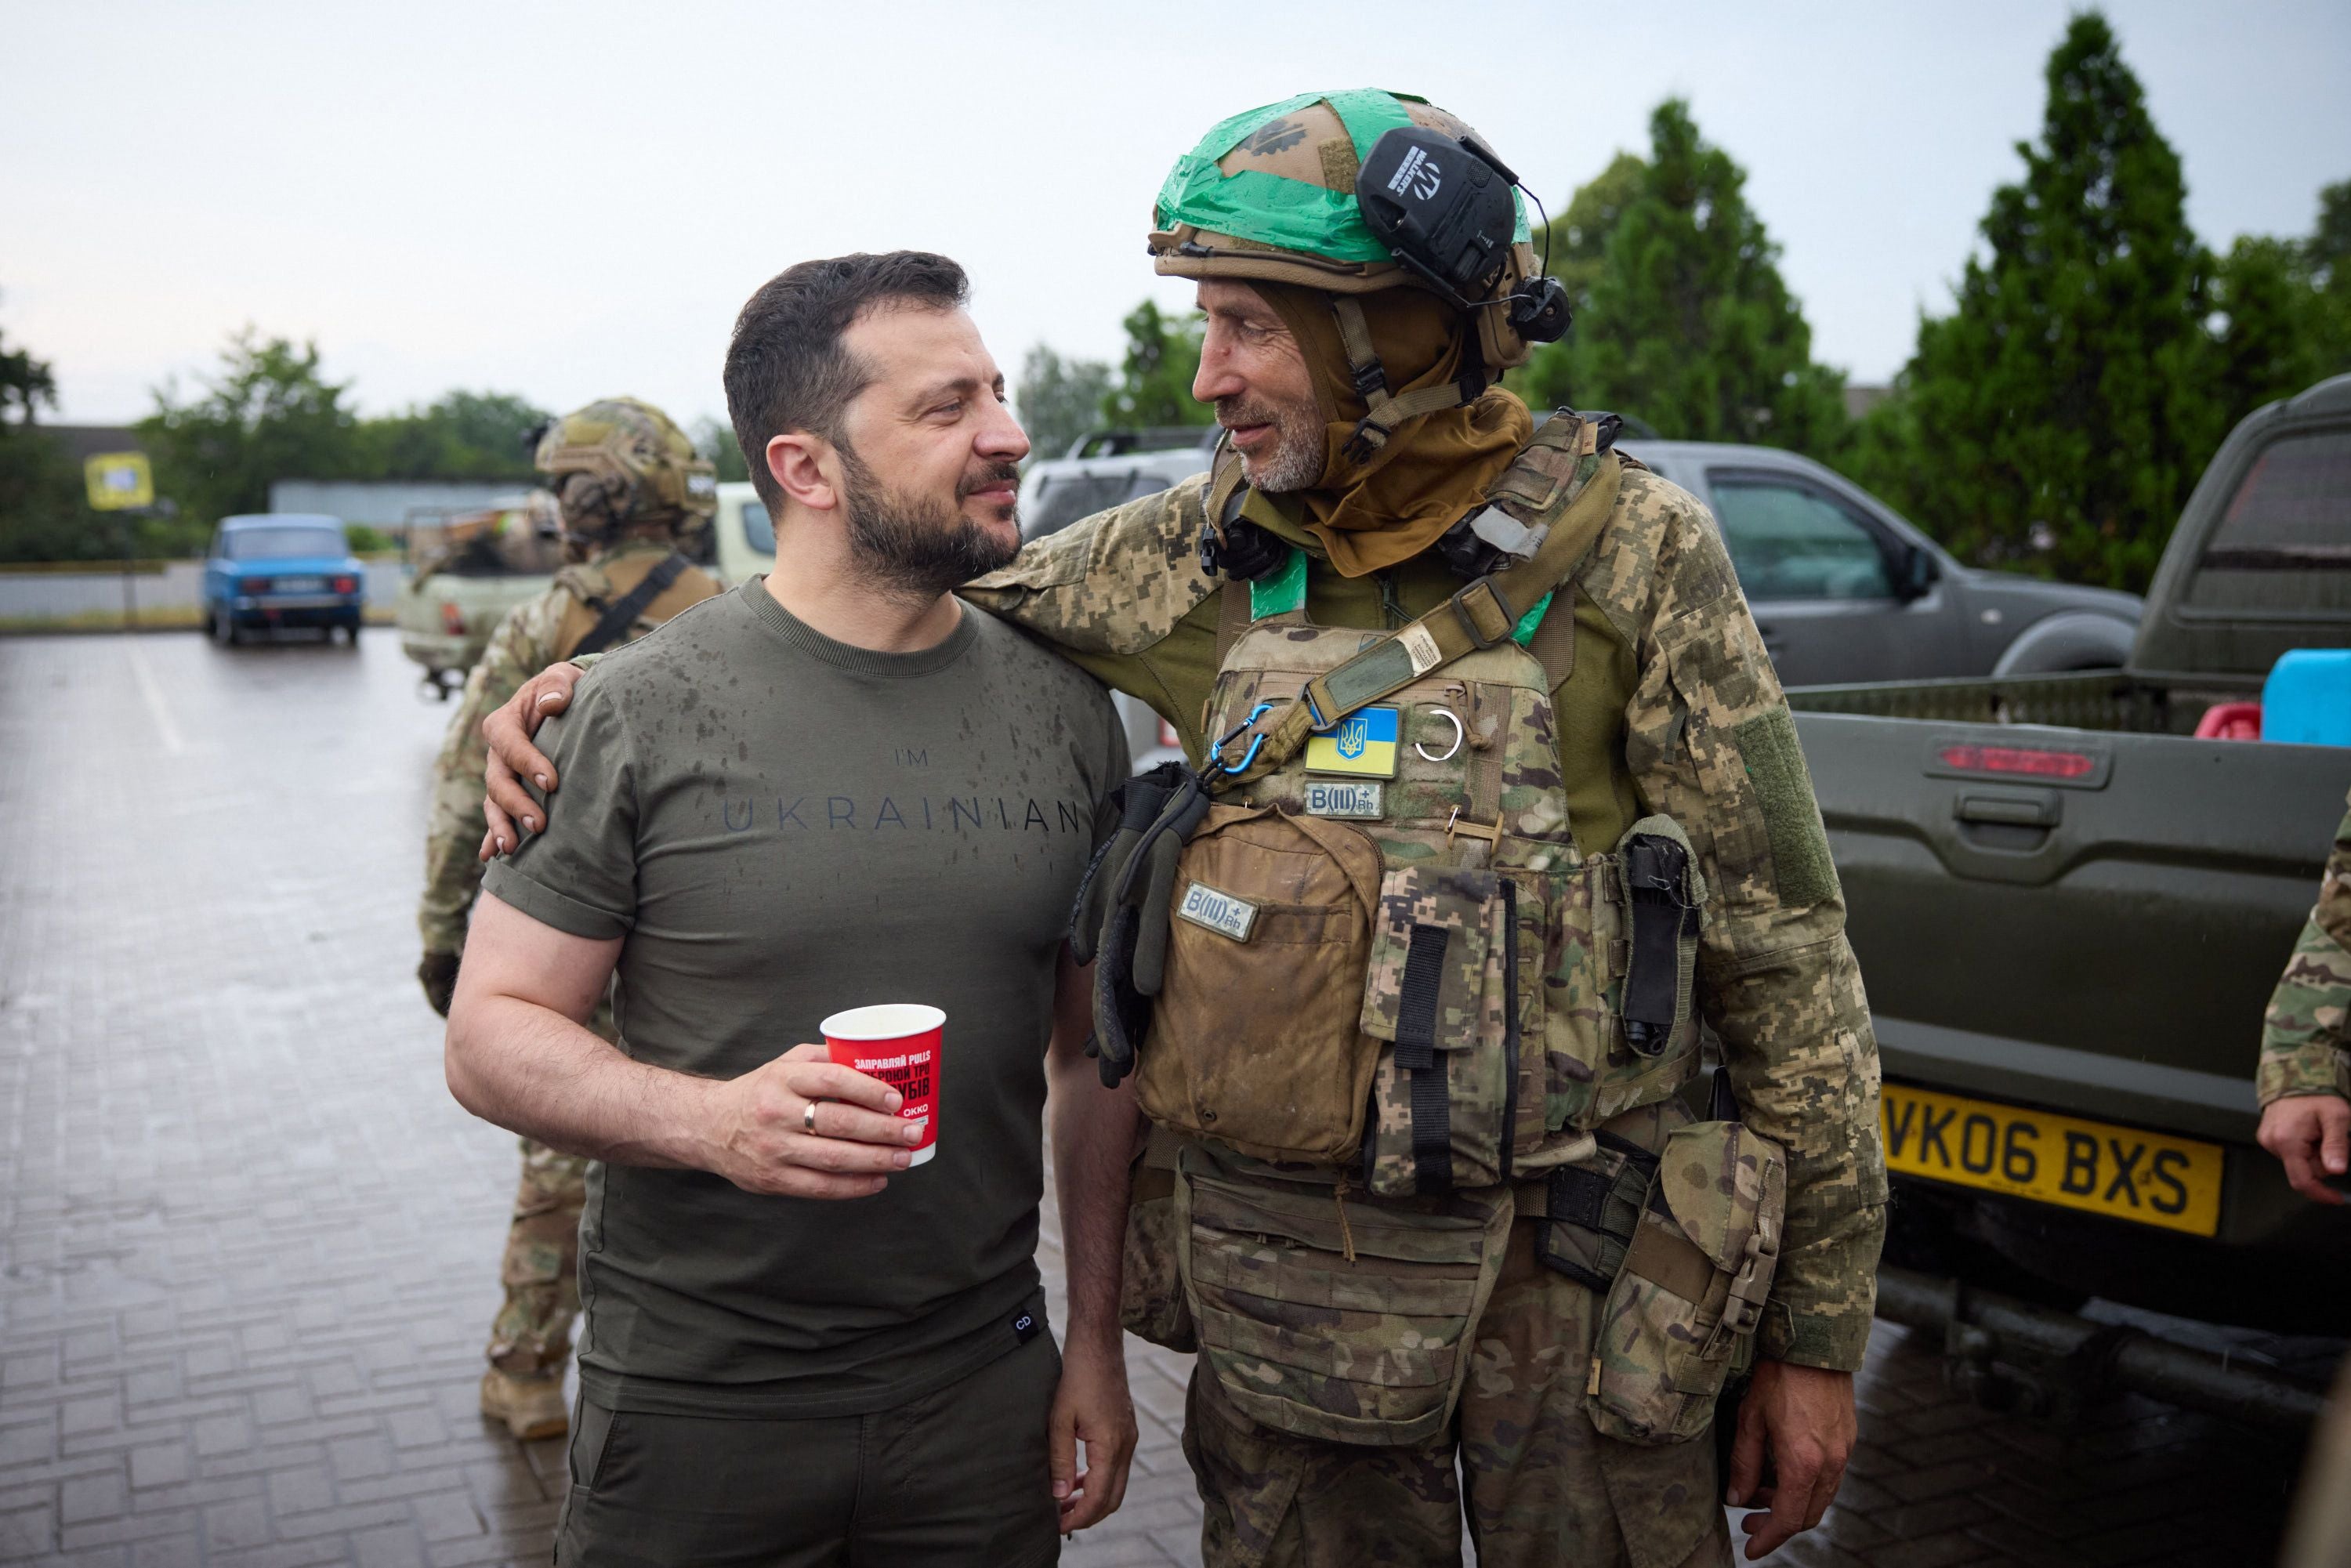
(282, 569)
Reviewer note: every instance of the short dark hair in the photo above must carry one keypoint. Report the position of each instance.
(785, 368)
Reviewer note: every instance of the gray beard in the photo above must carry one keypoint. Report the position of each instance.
(1295, 460)
(909, 551)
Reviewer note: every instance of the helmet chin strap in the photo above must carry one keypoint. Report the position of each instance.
(1388, 412)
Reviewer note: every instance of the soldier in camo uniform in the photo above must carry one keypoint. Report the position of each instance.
(1555, 821)
(2304, 1078)
(631, 491)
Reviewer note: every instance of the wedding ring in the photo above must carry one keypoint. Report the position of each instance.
(808, 1117)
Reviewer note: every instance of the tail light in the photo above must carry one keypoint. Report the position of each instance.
(452, 620)
(253, 585)
(347, 585)
(2029, 761)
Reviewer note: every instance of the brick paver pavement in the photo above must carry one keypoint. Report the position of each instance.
(247, 1242)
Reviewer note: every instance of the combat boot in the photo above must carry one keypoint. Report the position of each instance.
(532, 1407)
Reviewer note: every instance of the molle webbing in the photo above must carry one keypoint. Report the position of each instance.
(1417, 1052)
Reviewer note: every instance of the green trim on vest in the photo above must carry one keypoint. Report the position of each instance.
(1283, 593)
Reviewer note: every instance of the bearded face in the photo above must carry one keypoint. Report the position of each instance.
(915, 548)
(1294, 460)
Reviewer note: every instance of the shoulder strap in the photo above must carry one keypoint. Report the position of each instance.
(1234, 613)
(1482, 614)
(1225, 486)
(623, 612)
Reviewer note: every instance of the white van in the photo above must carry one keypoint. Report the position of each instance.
(743, 542)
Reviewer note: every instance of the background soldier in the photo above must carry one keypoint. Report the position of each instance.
(632, 494)
(2304, 1081)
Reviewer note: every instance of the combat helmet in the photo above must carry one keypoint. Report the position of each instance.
(1354, 192)
(618, 463)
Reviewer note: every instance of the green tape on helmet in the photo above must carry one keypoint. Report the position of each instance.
(1276, 209)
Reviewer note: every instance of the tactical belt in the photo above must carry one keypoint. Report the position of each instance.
(623, 612)
(1482, 614)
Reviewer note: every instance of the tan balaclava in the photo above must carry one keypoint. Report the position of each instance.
(1371, 509)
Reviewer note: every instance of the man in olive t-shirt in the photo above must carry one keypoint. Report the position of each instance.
(832, 787)
(817, 827)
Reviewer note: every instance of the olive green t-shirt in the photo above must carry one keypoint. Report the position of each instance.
(779, 826)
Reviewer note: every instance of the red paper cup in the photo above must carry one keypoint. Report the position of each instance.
(898, 1042)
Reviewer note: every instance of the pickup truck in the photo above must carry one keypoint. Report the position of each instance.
(2070, 913)
(469, 570)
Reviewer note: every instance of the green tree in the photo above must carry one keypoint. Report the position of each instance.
(458, 436)
(1689, 325)
(716, 440)
(1059, 400)
(43, 516)
(1572, 244)
(2326, 262)
(26, 382)
(267, 414)
(2059, 404)
(1155, 384)
(2265, 326)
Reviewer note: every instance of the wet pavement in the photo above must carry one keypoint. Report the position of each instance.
(248, 1244)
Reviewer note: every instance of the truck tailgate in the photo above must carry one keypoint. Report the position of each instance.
(2075, 916)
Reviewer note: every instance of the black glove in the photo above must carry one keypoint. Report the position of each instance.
(437, 973)
(1120, 923)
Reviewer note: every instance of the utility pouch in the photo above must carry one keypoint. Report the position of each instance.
(1346, 1323)
(1592, 1209)
(1682, 1311)
(1257, 1040)
(1661, 935)
(1151, 1304)
(1620, 965)
(1442, 996)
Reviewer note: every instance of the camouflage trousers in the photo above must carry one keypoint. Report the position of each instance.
(1545, 1486)
(541, 1269)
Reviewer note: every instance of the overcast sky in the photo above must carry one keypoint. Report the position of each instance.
(568, 201)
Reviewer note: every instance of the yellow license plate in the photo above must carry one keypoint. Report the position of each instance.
(2120, 1172)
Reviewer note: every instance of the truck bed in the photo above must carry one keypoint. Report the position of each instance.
(2062, 901)
(2125, 700)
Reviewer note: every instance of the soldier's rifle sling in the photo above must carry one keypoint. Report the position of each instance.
(623, 612)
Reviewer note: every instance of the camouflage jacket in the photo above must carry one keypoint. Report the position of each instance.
(2306, 1034)
(524, 643)
(1706, 739)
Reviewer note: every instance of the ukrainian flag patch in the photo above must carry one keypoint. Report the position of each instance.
(1363, 746)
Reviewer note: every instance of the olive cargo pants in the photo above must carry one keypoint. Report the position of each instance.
(954, 1478)
(1545, 1487)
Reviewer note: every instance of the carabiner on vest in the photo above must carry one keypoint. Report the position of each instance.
(1256, 743)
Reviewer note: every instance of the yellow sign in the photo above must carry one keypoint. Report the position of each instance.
(119, 481)
(2123, 1172)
